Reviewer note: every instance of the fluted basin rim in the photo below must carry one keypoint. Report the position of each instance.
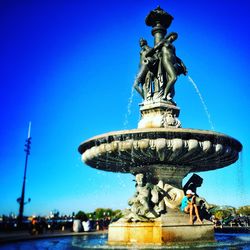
(149, 133)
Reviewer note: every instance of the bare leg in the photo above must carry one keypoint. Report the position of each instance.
(191, 214)
(197, 213)
(170, 75)
(140, 80)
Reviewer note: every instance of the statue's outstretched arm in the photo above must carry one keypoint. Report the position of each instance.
(159, 45)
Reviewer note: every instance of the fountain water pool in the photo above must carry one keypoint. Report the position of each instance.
(98, 241)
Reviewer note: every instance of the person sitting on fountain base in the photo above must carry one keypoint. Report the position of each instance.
(188, 206)
(192, 184)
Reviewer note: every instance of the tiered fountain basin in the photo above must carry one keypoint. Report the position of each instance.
(166, 154)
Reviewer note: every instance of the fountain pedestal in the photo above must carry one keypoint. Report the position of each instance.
(169, 228)
(160, 114)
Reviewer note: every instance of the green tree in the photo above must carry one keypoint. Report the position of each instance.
(81, 216)
(244, 210)
(222, 214)
(99, 213)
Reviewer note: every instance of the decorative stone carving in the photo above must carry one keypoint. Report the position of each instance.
(150, 201)
(169, 119)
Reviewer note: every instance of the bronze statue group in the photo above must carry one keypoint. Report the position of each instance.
(159, 69)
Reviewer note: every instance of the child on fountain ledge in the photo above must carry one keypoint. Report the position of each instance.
(188, 205)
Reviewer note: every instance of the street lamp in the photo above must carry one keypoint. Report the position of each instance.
(20, 200)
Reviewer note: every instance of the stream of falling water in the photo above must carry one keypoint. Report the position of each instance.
(202, 101)
(130, 101)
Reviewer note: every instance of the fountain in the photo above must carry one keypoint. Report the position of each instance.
(159, 152)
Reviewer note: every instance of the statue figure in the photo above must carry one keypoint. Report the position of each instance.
(172, 66)
(150, 201)
(142, 202)
(144, 76)
(159, 68)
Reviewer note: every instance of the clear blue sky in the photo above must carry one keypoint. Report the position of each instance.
(69, 66)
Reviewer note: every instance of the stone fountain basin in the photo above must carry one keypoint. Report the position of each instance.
(130, 151)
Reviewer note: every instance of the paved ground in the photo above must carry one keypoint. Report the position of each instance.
(24, 235)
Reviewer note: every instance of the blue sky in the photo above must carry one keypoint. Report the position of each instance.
(68, 67)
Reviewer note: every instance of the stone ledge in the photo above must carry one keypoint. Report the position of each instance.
(160, 104)
(146, 233)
